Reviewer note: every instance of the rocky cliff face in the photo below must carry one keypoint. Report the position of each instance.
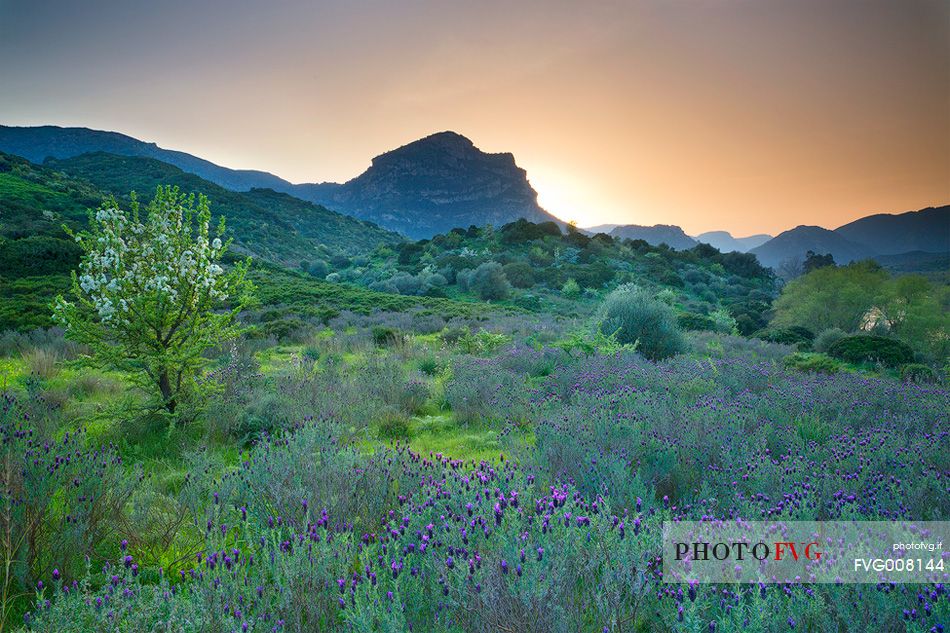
(433, 185)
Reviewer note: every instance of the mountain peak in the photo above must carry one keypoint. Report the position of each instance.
(442, 148)
(436, 183)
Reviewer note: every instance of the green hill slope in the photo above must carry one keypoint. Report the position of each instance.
(264, 223)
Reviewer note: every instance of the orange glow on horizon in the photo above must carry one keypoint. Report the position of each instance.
(742, 116)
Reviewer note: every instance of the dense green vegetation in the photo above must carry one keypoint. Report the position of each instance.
(539, 268)
(484, 431)
(863, 297)
(264, 223)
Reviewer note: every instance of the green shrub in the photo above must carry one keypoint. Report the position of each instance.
(484, 342)
(788, 336)
(811, 362)
(571, 289)
(918, 373)
(827, 338)
(634, 317)
(393, 425)
(695, 322)
(865, 348)
(529, 302)
(519, 274)
(430, 365)
(384, 336)
(488, 281)
(281, 329)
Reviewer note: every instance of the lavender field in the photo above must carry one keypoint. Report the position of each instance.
(495, 482)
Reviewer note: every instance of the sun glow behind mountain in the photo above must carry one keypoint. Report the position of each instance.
(746, 116)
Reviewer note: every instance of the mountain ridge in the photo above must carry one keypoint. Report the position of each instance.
(448, 182)
(443, 181)
(434, 184)
(669, 234)
(882, 234)
(266, 223)
(725, 242)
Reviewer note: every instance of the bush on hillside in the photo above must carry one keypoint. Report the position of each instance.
(795, 335)
(633, 316)
(865, 348)
(695, 322)
(519, 274)
(827, 338)
(918, 373)
(811, 362)
(488, 281)
(571, 289)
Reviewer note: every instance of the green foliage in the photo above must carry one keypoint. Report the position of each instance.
(865, 348)
(863, 296)
(488, 281)
(814, 261)
(541, 259)
(918, 373)
(634, 317)
(294, 293)
(430, 365)
(393, 425)
(520, 274)
(529, 302)
(830, 297)
(523, 231)
(24, 302)
(695, 322)
(827, 338)
(264, 223)
(385, 336)
(795, 335)
(149, 294)
(481, 342)
(811, 362)
(37, 255)
(571, 289)
(591, 344)
(716, 321)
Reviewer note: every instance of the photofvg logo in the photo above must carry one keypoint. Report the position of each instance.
(805, 551)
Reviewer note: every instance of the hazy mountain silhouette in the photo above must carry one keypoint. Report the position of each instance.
(726, 243)
(794, 243)
(671, 235)
(926, 230)
(426, 187)
(49, 141)
(433, 185)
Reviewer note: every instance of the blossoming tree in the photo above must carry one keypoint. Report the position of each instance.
(151, 296)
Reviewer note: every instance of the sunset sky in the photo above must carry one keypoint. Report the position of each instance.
(750, 116)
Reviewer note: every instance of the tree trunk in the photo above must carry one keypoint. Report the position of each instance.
(165, 385)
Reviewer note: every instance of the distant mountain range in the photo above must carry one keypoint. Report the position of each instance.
(795, 243)
(674, 237)
(926, 231)
(426, 187)
(38, 200)
(442, 182)
(36, 144)
(671, 235)
(726, 243)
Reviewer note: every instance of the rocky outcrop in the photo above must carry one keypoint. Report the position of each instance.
(435, 184)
